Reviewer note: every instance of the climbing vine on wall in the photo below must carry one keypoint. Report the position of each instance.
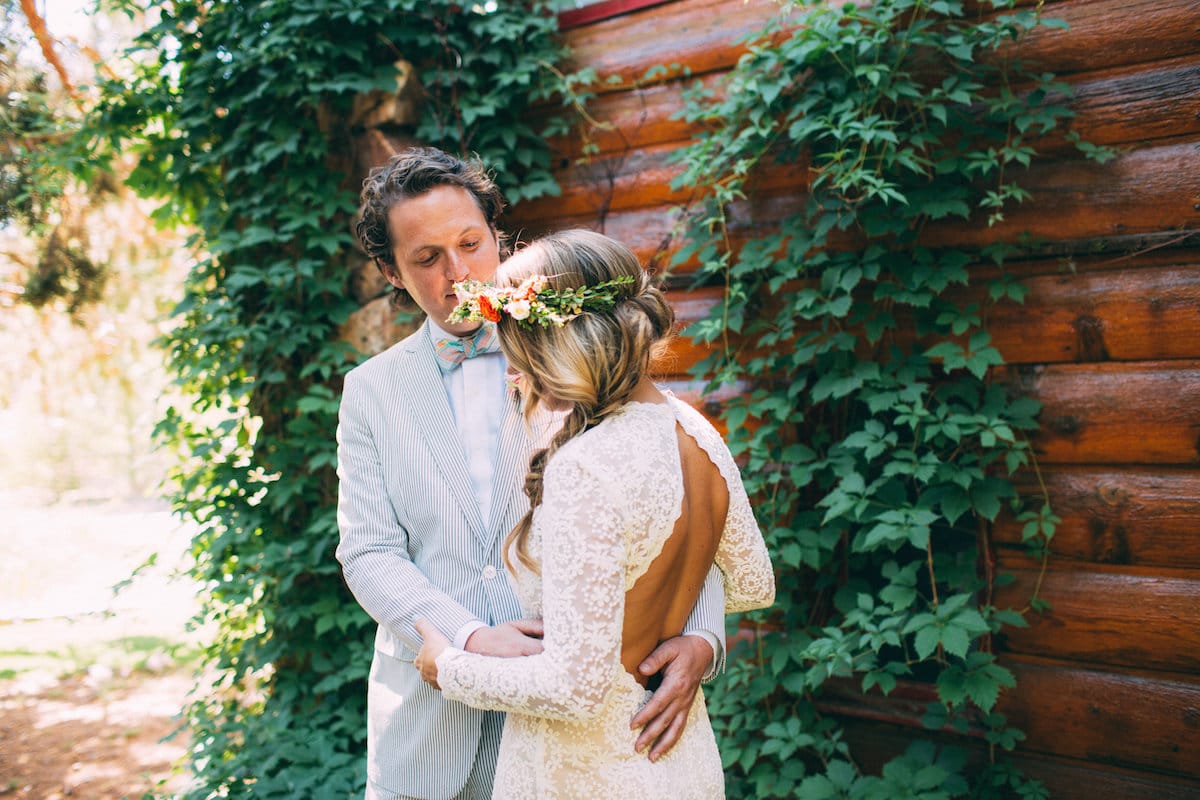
(876, 444)
(239, 117)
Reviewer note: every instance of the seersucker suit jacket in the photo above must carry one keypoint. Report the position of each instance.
(414, 544)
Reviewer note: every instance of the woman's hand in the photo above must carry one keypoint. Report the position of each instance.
(431, 647)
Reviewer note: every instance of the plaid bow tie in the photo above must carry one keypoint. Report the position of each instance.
(451, 352)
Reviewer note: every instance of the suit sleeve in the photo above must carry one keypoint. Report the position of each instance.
(583, 601)
(707, 619)
(373, 549)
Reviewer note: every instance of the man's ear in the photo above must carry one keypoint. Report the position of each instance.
(390, 272)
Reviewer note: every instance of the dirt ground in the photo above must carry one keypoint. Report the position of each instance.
(92, 683)
(78, 739)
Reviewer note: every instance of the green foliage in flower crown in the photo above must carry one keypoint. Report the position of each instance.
(875, 445)
(238, 117)
(533, 302)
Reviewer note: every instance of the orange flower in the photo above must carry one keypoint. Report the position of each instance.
(489, 311)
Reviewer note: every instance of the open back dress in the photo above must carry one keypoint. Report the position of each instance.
(623, 551)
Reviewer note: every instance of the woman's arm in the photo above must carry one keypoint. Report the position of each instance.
(583, 597)
(742, 554)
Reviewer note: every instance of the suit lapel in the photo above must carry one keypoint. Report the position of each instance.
(426, 396)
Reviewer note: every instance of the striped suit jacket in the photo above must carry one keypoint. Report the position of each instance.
(414, 544)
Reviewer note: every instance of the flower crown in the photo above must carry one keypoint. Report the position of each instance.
(533, 302)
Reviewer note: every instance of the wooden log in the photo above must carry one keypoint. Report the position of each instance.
(638, 179)
(593, 189)
(653, 232)
(587, 14)
(698, 34)
(1125, 719)
(1138, 413)
(649, 232)
(1138, 517)
(1077, 206)
(874, 744)
(1118, 31)
(905, 705)
(682, 352)
(632, 119)
(1139, 617)
(1130, 105)
(1069, 779)
(1141, 191)
(1135, 720)
(1125, 105)
(705, 33)
(1118, 315)
(1101, 316)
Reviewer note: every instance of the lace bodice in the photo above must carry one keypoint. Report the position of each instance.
(611, 499)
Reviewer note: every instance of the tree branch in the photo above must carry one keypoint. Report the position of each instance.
(38, 26)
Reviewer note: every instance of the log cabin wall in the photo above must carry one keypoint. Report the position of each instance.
(1108, 340)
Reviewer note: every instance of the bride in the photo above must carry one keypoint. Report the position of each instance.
(630, 504)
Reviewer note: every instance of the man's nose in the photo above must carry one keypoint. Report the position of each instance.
(457, 268)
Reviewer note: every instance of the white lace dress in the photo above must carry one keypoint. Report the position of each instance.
(611, 500)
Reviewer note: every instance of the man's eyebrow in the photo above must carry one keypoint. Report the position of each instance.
(469, 228)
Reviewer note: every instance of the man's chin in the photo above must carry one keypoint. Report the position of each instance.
(460, 330)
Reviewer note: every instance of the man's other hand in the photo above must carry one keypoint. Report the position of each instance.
(683, 662)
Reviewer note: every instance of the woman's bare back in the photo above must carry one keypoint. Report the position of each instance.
(659, 603)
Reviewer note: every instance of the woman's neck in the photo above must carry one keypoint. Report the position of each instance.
(647, 392)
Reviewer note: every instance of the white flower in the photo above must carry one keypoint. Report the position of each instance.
(531, 286)
(517, 309)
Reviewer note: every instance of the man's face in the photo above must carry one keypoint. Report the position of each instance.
(441, 237)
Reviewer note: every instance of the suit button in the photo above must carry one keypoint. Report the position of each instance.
(489, 572)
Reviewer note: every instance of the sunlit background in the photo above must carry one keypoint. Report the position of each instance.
(96, 654)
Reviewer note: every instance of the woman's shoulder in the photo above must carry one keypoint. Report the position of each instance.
(615, 447)
(705, 433)
(692, 420)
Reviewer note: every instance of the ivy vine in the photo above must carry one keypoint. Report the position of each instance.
(875, 442)
(238, 116)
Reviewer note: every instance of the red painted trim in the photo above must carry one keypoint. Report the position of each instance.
(575, 17)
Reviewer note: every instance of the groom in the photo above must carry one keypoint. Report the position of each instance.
(432, 455)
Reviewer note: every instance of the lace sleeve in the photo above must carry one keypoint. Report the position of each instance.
(580, 525)
(742, 554)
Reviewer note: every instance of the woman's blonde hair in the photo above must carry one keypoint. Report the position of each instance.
(593, 363)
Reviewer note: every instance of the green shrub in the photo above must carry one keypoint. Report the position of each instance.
(238, 116)
(876, 445)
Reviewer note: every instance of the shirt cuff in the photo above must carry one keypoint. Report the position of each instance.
(716, 651)
(464, 633)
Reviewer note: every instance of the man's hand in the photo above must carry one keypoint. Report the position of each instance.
(683, 661)
(520, 638)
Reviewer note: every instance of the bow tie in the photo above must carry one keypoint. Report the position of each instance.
(451, 352)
